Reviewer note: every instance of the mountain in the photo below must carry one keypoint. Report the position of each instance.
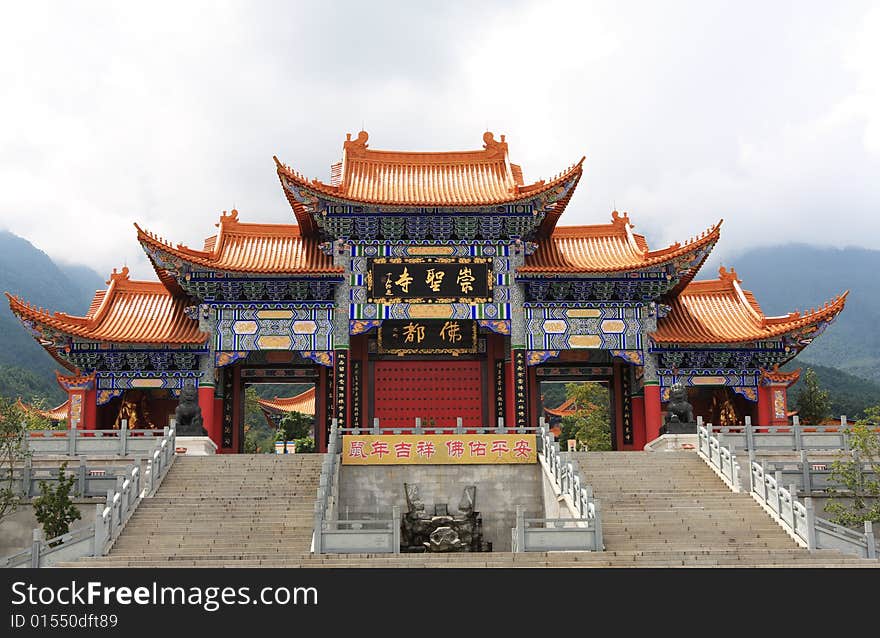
(849, 394)
(799, 277)
(25, 368)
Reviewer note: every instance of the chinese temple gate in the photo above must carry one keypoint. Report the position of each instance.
(425, 285)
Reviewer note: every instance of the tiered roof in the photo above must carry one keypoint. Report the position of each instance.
(303, 403)
(482, 177)
(58, 413)
(252, 248)
(126, 312)
(608, 248)
(719, 311)
(777, 376)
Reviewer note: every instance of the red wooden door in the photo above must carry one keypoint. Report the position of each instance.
(438, 390)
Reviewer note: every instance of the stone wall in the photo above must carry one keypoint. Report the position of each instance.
(371, 491)
(17, 529)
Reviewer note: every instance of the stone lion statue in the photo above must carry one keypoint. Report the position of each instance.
(678, 409)
(188, 415)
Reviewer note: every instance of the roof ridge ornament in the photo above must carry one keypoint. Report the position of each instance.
(118, 276)
(358, 145)
(230, 218)
(728, 276)
(493, 146)
(620, 220)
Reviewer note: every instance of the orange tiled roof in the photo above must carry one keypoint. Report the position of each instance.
(127, 312)
(775, 376)
(253, 248)
(720, 311)
(303, 403)
(606, 248)
(403, 178)
(568, 408)
(59, 413)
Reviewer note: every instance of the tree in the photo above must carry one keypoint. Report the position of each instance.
(591, 423)
(13, 452)
(295, 426)
(259, 438)
(53, 508)
(812, 401)
(860, 494)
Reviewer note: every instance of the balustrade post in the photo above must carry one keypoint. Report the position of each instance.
(26, 473)
(797, 430)
(81, 477)
(777, 475)
(811, 523)
(459, 425)
(376, 429)
(319, 529)
(792, 491)
(71, 439)
(805, 470)
(750, 434)
(597, 522)
(869, 537)
(764, 481)
(500, 428)
(36, 546)
(418, 429)
(100, 533)
(123, 437)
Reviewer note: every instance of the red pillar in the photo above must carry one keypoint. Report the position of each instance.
(237, 412)
(206, 403)
(638, 422)
(617, 393)
(653, 419)
(89, 410)
(765, 405)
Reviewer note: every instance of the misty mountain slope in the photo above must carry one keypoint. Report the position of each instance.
(30, 273)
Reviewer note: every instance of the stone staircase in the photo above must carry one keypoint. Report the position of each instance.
(224, 507)
(658, 510)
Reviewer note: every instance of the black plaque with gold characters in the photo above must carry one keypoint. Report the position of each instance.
(430, 280)
(428, 336)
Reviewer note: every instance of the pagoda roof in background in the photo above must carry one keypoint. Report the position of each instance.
(249, 248)
(58, 413)
(606, 248)
(126, 312)
(482, 177)
(719, 311)
(303, 403)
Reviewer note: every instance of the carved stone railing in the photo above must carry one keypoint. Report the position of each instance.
(110, 517)
(459, 428)
(794, 437)
(351, 536)
(582, 530)
(811, 476)
(720, 458)
(91, 480)
(134, 444)
(800, 520)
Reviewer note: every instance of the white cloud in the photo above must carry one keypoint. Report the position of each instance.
(767, 115)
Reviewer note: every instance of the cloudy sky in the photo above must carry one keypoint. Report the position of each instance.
(764, 113)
